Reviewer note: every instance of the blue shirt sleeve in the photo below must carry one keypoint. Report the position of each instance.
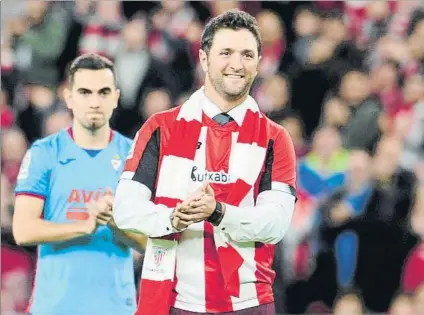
(34, 174)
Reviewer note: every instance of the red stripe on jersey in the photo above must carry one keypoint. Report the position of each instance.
(217, 300)
(238, 194)
(217, 159)
(284, 162)
(73, 215)
(189, 133)
(169, 202)
(30, 194)
(264, 255)
(259, 126)
(151, 297)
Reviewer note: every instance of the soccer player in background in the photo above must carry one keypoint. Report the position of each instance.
(211, 183)
(64, 204)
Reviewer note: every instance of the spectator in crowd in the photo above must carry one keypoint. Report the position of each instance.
(409, 124)
(155, 101)
(6, 114)
(103, 21)
(349, 304)
(401, 305)
(295, 128)
(38, 38)
(167, 40)
(39, 102)
(56, 121)
(273, 93)
(362, 130)
(306, 25)
(16, 277)
(320, 172)
(336, 113)
(6, 204)
(13, 148)
(385, 80)
(273, 41)
(342, 206)
(419, 300)
(413, 273)
(137, 72)
(383, 228)
(335, 251)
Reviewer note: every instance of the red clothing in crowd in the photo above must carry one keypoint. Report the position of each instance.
(16, 269)
(413, 274)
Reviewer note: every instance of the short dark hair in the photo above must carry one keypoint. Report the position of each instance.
(233, 19)
(90, 62)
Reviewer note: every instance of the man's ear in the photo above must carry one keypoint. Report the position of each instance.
(203, 58)
(259, 60)
(118, 93)
(67, 97)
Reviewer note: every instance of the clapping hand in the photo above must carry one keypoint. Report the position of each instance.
(102, 210)
(196, 208)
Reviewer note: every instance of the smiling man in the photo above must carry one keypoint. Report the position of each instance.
(64, 204)
(211, 183)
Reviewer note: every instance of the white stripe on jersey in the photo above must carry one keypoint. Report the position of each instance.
(190, 251)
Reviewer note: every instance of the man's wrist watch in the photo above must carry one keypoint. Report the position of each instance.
(217, 215)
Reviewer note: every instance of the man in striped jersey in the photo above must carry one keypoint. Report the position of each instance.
(211, 183)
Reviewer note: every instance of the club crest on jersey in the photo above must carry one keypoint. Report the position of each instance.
(116, 162)
(158, 254)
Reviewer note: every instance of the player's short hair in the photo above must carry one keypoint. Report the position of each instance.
(90, 62)
(233, 19)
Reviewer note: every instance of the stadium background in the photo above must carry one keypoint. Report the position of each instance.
(341, 76)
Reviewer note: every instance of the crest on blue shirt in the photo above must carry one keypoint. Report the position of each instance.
(116, 162)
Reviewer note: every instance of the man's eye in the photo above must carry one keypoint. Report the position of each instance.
(225, 53)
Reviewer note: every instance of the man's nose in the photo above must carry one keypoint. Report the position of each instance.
(94, 102)
(236, 62)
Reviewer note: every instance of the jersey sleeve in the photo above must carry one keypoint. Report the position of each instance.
(143, 158)
(280, 165)
(133, 209)
(34, 173)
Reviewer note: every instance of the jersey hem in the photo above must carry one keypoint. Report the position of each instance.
(237, 306)
(31, 194)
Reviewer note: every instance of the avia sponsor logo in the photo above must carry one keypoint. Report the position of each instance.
(85, 196)
(78, 200)
(212, 177)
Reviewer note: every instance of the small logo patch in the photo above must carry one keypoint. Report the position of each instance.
(24, 170)
(158, 254)
(116, 162)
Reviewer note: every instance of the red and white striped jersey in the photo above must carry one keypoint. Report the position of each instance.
(199, 285)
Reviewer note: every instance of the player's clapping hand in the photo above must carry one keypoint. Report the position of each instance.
(89, 225)
(179, 223)
(198, 209)
(102, 210)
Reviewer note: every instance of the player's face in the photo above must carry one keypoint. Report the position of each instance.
(92, 97)
(232, 63)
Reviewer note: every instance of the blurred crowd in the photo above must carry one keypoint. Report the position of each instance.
(345, 78)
